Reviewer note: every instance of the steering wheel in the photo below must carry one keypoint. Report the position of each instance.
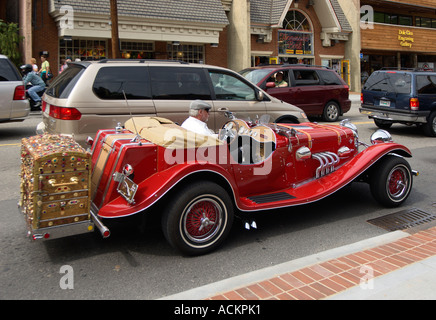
(229, 132)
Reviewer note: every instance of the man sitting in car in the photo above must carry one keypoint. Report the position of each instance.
(198, 117)
(279, 80)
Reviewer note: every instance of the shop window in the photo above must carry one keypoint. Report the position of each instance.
(82, 49)
(296, 37)
(137, 50)
(186, 52)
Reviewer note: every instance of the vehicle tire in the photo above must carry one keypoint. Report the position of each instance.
(198, 218)
(382, 124)
(331, 112)
(391, 181)
(430, 126)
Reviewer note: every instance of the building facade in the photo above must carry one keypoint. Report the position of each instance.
(402, 36)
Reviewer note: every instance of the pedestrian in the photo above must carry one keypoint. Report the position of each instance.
(34, 65)
(37, 83)
(45, 69)
(64, 65)
(198, 117)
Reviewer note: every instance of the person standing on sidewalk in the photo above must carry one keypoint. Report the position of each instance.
(45, 69)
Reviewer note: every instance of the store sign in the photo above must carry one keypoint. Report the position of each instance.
(406, 38)
(295, 43)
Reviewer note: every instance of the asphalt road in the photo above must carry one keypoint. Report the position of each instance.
(137, 263)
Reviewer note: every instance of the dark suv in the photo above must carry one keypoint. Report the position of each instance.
(319, 91)
(401, 96)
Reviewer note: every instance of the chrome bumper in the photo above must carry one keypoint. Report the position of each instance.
(391, 115)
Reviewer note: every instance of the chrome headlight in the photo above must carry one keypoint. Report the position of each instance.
(381, 136)
(347, 124)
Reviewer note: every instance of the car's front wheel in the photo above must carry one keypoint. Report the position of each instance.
(391, 181)
(198, 218)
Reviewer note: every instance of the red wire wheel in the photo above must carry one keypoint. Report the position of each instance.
(391, 181)
(202, 220)
(198, 217)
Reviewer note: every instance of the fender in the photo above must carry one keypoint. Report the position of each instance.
(155, 187)
(317, 189)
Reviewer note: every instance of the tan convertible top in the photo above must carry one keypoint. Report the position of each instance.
(166, 133)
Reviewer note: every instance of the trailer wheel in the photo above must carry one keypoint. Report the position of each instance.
(391, 181)
(198, 218)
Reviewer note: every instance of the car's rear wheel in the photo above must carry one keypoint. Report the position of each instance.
(198, 218)
(391, 181)
(331, 112)
(430, 126)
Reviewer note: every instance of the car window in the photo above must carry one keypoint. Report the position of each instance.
(255, 75)
(426, 84)
(8, 72)
(329, 77)
(229, 87)
(306, 77)
(63, 84)
(389, 82)
(112, 82)
(177, 83)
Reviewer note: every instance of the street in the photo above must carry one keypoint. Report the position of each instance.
(137, 262)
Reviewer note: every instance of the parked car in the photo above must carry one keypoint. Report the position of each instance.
(319, 91)
(89, 96)
(13, 103)
(196, 184)
(401, 96)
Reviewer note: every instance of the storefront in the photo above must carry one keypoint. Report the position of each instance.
(408, 38)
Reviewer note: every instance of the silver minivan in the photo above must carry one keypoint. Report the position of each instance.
(93, 95)
(13, 103)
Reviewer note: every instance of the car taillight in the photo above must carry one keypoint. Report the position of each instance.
(414, 104)
(43, 105)
(20, 93)
(361, 98)
(63, 113)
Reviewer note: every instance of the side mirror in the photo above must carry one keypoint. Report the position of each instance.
(259, 95)
(270, 85)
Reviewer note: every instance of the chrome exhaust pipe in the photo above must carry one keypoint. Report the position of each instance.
(105, 232)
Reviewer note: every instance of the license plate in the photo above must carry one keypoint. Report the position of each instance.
(385, 103)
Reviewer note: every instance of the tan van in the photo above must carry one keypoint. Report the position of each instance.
(92, 95)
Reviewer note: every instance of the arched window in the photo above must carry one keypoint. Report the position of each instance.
(295, 38)
(296, 21)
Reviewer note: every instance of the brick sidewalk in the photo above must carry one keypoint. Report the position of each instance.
(328, 278)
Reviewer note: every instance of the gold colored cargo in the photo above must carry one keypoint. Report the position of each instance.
(55, 184)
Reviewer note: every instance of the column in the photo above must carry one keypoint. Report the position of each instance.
(239, 43)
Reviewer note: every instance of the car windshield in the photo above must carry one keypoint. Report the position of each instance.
(389, 82)
(255, 75)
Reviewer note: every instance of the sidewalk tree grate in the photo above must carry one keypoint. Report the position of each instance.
(404, 219)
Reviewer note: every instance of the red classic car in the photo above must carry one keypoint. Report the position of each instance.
(201, 182)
